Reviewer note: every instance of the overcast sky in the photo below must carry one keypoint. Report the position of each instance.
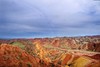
(48, 18)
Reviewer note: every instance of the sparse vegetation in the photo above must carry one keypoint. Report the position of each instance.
(18, 44)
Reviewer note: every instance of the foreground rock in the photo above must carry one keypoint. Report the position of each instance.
(11, 56)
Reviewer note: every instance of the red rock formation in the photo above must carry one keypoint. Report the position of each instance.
(11, 56)
(94, 47)
(67, 60)
(96, 56)
(51, 52)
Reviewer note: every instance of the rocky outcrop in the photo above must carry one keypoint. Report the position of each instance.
(12, 56)
(51, 52)
(41, 52)
(88, 43)
(94, 47)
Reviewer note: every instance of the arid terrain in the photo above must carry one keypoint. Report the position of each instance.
(83, 51)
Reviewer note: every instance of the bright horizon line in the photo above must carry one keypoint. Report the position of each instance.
(44, 37)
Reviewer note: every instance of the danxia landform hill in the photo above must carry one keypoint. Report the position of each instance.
(81, 51)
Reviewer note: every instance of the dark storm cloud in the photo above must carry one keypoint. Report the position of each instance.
(49, 18)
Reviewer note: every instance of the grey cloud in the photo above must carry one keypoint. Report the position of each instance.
(52, 16)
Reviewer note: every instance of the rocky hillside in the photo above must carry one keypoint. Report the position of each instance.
(51, 52)
(88, 43)
(12, 56)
